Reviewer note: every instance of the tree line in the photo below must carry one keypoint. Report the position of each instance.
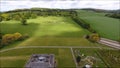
(114, 15)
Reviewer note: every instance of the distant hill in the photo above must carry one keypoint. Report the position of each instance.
(102, 10)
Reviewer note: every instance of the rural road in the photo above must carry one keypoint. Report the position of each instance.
(110, 43)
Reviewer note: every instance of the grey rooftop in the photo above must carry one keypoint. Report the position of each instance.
(41, 61)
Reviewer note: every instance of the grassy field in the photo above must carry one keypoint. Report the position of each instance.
(107, 27)
(48, 31)
(45, 26)
(44, 31)
(18, 57)
(99, 57)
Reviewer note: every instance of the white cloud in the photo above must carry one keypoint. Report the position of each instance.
(6, 5)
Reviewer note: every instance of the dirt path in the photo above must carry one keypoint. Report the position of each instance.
(110, 43)
(53, 47)
(74, 58)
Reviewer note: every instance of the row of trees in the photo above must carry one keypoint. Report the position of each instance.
(114, 15)
(10, 38)
(17, 16)
(80, 22)
(24, 14)
(32, 13)
(46, 12)
(83, 24)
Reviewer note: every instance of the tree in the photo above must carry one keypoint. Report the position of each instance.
(5, 16)
(0, 35)
(87, 36)
(0, 39)
(33, 15)
(24, 21)
(78, 59)
(17, 17)
(1, 18)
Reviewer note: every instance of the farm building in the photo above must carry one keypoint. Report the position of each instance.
(41, 61)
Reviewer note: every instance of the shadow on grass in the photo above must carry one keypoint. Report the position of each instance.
(72, 34)
(8, 28)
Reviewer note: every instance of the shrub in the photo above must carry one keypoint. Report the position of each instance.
(7, 38)
(78, 59)
(24, 37)
(94, 37)
(17, 36)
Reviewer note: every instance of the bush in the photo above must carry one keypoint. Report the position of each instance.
(78, 59)
(94, 37)
(24, 37)
(17, 36)
(7, 38)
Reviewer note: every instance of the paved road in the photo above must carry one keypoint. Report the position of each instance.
(110, 43)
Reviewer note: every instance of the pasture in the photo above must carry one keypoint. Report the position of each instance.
(107, 27)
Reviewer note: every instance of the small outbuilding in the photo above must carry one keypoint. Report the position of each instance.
(41, 61)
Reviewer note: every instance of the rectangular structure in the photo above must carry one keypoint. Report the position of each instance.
(41, 61)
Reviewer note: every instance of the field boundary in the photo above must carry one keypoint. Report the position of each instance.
(74, 57)
(53, 47)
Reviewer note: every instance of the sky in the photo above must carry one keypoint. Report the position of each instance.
(6, 5)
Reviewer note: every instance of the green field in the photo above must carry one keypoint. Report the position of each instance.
(48, 31)
(44, 31)
(19, 57)
(107, 27)
(45, 26)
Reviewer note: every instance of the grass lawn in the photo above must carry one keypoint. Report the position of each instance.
(107, 27)
(48, 31)
(45, 26)
(18, 57)
(101, 57)
(45, 31)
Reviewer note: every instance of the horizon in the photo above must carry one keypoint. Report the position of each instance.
(8, 5)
